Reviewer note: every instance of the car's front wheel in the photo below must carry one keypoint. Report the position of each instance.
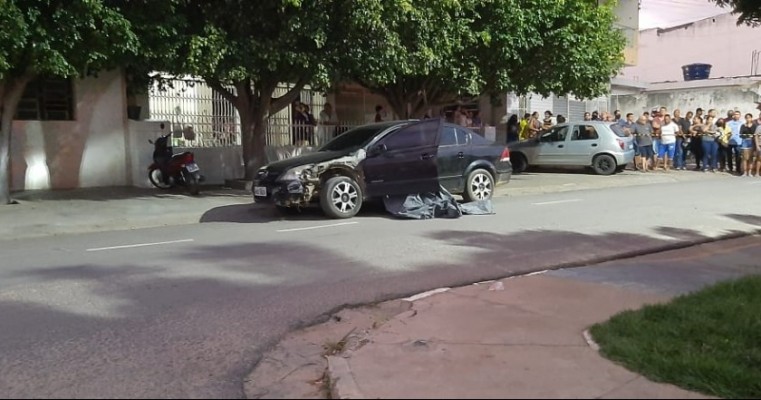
(341, 197)
(480, 186)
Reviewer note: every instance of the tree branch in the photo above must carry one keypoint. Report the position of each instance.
(226, 93)
(283, 101)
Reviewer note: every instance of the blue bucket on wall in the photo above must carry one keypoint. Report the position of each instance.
(693, 72)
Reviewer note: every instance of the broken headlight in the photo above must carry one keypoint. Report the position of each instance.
(295, 173)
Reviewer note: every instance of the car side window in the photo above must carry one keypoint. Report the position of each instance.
(556, 135)
(462, 137)
(448, 136)
(585, 132)
(421, 134)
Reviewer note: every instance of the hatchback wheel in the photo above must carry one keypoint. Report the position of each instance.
(480, 186)
(520, 164)
(604, 164)
(340, 197)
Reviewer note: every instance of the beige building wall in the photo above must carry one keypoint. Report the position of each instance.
(86, 152)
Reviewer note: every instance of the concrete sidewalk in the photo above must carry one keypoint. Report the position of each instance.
(522, 337)
(45, 213)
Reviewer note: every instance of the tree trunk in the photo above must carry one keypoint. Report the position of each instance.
(11, 94)
(255, 104)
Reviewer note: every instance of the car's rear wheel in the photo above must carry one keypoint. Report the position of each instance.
(520, 164)
(479, 186)
(341, 197)
(604, 164)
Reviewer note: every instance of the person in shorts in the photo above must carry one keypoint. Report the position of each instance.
(747, 131)
(667, 146)
(643, 134)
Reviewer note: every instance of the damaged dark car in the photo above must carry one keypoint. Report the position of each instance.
(386, 159)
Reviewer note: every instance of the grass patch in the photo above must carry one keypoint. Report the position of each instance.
(708, 341)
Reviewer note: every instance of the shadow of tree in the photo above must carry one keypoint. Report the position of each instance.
(192, 323)
(746, 218)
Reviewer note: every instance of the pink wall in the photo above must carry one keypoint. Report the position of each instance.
(717, 41)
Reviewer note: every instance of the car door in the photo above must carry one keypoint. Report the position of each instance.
(404, 162)
(584, 144)
(551, 149)
(453, 157)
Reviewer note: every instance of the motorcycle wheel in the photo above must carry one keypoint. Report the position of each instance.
(192, 181)
(157, 179)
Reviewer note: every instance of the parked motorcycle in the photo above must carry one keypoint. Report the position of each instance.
(170, 170)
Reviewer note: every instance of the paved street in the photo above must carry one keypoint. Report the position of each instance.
(185, 311)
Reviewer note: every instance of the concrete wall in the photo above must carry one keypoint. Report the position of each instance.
(717, 41)
(217, 163)
(741, 97)
(89, 151)
(627, 12)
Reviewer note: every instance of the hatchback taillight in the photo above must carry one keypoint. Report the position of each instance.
(505, 155)
(621, 144)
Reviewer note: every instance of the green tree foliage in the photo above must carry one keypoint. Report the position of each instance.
(749, 10)
(443, 50)
(58, 38)
(244, 49)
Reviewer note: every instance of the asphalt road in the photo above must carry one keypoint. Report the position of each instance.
(186, 311)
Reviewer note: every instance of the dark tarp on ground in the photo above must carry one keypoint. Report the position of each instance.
(434, 205)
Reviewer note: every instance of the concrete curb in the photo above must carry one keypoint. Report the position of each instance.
(342, 383)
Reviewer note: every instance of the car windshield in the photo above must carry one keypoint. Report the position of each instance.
(353, 139)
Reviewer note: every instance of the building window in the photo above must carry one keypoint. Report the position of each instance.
(47, 99)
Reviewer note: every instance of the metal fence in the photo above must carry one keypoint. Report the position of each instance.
(200, 117)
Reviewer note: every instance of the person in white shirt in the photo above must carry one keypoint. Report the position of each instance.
(667, 147)
(327, 125)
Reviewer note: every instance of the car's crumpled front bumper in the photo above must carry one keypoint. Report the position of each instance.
(289, 193)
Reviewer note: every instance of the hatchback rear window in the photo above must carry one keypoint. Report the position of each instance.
(618, 130)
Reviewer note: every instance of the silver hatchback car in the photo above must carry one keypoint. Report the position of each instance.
(602, 146)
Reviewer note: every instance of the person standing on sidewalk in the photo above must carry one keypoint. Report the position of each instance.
(747, 132)
(735, 143)
(681, 138)
(696, 143)
(657, 121)
(643, 132)
(708, 137)
(667, 148)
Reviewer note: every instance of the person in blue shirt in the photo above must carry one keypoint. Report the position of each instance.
(735, 141)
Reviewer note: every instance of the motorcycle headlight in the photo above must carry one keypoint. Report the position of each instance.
(295, 173)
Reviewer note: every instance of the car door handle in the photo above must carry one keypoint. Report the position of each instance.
(594, 144)
(426, 156)
(460, 155)
(561, 146)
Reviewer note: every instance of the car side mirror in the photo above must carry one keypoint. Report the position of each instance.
(378, 150)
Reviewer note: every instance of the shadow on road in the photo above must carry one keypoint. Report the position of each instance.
(192, 322)
(262, 213)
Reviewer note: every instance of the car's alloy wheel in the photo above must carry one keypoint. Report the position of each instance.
(344, 197)
(341, 197)
(480, 186)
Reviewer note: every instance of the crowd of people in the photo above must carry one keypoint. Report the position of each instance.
(662, 140)
(667, 141)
